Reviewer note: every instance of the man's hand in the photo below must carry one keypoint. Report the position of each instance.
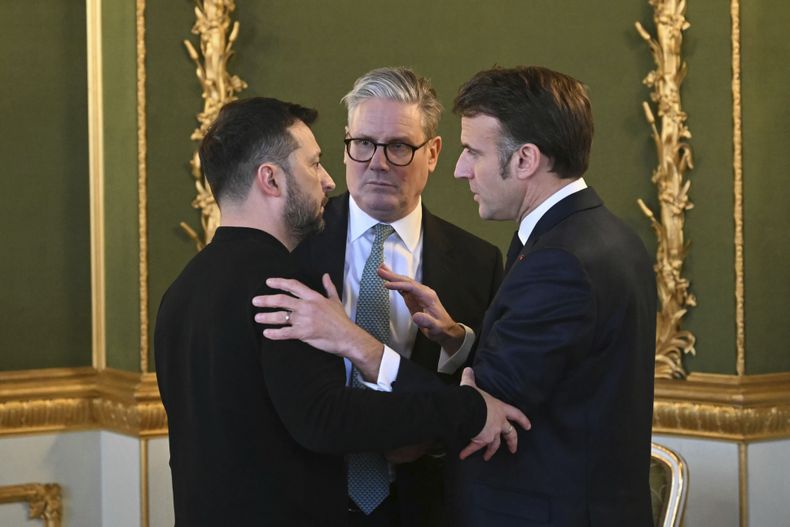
(426, 310)
(497, 423)
(319, 321)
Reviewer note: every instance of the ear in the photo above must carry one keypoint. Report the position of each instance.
(526, 160)
(269, 180)
(434, 146)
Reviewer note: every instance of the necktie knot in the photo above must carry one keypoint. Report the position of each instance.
(381, 232)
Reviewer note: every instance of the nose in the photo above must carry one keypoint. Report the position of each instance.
(462, 168)
(327, 183)
(379, 160)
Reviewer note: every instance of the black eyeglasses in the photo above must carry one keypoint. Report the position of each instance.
(397, 153)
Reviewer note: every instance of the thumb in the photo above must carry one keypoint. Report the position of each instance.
(331, 291)
(468, 378)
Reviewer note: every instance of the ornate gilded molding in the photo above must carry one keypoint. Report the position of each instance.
(731, 407)
(80, 398)
(737, 166)
(96, 177)
(44, 500)
(674, 159)
(219, 87)
(142, 182)
(740, 408)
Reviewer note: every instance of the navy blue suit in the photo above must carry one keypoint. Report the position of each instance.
(570, 340)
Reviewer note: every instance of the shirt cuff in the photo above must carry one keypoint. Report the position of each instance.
(388, 371)
(449, 364)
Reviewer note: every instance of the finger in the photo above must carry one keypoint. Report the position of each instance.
(425, 321)
(400, 286)
(493, 446)
(295, 287)
(274, 318)
(511, 438)
(279, 301)
(468, 378)
(283, 333)
(470, 449)
(514, 414)
(385, 273)
(329, 286)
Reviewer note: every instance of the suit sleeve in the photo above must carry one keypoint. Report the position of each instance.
(543, 323)
(307, 389)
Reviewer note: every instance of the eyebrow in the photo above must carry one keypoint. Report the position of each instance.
(395, 139)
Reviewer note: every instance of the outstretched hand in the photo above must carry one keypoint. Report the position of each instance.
(426, 310)
(497, 425)
(318, 320)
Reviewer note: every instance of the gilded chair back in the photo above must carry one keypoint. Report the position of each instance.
(668, 486)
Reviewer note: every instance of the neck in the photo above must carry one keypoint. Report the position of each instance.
(267, 221)
(537, 194)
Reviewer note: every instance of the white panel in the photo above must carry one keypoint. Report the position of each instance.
(160, 487)
(120, 480)
(713, 480)
(769, 483)
(69, 459)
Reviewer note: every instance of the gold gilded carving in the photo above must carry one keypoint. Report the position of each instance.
(741, 408)
(737, 165)
(674, 159)
(219, 88)
(80, 398)
(142, 183)
(43, 500)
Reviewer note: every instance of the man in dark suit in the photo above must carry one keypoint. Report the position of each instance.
(257, 427)
(570, 336)
(393, 112)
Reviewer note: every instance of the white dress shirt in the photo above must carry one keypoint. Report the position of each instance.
(530, 220)
(403, 255)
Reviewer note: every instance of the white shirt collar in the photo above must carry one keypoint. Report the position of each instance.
(531, 219)
(408, 228)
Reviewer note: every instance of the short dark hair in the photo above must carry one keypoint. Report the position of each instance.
(246, 133)
(534, 105)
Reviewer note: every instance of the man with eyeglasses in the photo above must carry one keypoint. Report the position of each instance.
(392, 148)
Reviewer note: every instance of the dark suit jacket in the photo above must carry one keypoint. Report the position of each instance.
(257, 427)
(570, 340)
(465, 271)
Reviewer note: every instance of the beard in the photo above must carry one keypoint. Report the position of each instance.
(302, 215)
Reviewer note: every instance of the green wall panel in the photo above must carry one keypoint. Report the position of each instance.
(766, 131)
(311, 51)
(45, 309)
(120, 186)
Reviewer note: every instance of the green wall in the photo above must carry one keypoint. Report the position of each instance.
(45, 309)
(310, 52)
(766, 133)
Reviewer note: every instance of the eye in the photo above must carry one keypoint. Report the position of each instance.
(398, 148)
(363, 143)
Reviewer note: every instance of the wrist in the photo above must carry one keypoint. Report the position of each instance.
(453, 339)
(365, 354)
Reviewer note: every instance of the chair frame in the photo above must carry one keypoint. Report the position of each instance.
(678, 485)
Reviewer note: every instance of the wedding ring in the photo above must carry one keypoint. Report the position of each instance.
(509, 429)
(287, 317)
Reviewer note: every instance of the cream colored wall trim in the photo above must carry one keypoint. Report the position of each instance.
(96, 177)
(732, 407)
(44, 500)
(54, 400)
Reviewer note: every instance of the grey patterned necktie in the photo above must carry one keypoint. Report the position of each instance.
(368, 472)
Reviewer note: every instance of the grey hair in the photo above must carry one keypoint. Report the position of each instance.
(397, 84)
